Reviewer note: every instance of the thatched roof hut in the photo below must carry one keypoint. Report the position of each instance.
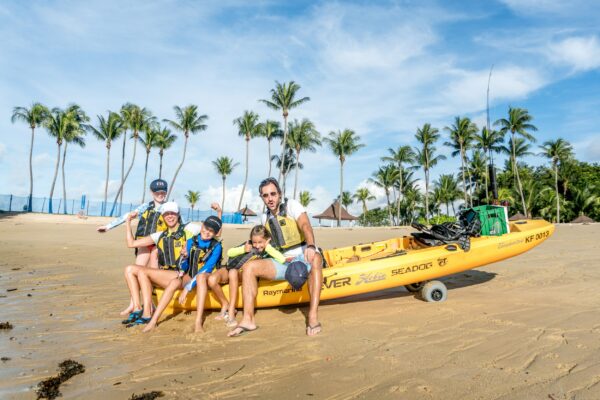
(583, 219)
(517, 217)
(331, 213)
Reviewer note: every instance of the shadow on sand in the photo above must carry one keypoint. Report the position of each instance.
(463, 279)
(8, 215)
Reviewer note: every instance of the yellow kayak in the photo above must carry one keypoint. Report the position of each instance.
(391, 263)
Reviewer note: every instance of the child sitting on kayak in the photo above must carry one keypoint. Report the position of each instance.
(257, 247)
(204, 253)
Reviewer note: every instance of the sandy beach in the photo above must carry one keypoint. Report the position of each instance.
(524, 328)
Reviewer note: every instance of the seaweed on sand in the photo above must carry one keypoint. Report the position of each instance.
(48, 388)
(147, 396)
(5, 325)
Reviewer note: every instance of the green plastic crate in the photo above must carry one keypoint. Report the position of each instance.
(493, 220)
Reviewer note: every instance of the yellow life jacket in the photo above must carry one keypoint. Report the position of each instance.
(284, 230)
(169, 247)
(238, 261)
(151, 221)
(198, 256)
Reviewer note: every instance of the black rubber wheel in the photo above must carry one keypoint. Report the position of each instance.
(414, 287)
(434, 292)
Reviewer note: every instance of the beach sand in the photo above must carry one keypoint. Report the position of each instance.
(524, 328)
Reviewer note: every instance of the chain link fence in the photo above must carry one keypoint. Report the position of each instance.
(12, 203)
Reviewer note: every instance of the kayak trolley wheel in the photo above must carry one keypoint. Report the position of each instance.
(414, 287)
(434, 291)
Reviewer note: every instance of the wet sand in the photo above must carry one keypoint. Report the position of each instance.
(524, 328)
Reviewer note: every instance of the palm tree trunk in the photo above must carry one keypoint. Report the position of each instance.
(387, 196)
(364, 204)
(270, 162)
(285, 134)
(223, 200)
(54, 180)
(427, 195)
(160, 153)
(296, 178)
(516, 171)
(122, 172)
(120, 191)
(557, 194)
(486, 176)
(400, 193)
(339, 216)
(179, 167)
(103, 210)
(246, 175)
(462, 167)
(64, 184)
(30, 200)
(145, 175)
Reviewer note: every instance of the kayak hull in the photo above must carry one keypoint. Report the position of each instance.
(391, 263)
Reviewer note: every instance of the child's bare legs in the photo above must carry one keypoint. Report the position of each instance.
(143, 258)
(131, 277)
(201, 290)
(233, 292)
(215, 280)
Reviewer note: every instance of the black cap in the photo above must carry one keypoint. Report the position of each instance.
(296, 274)
(158, 185)
(213, 223)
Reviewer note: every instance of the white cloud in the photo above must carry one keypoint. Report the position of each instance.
(2, 151)
(580, 53)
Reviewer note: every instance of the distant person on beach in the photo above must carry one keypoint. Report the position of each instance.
(257, 248)
(292, 234)
(183, 253)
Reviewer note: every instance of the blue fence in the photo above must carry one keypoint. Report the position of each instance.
(9, 202)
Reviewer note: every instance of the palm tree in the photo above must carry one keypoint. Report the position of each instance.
(188, 121)
(164, 140)
(192, 198)
(518, 122)
(404, 155)
(224, 166)
(149, 141)
(305, 198)
(58, 125)
(448, 187)
(248, 127)
(426, 158)
(303, 137)
(269, 130)
(135, 119)
(385, 177)
(34, 117)
(584, 200)
(75, 136)
(346, 199)
(108, 130)
(557, 151)
(289, 163)
(462, 134)
(342, 144)
(283, 98)
(477, 170)
(363, 195)
(520, 148)
(490, 142)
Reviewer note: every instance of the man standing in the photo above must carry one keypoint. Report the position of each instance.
(292, 234)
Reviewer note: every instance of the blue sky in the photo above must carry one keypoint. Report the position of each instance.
(379, 68)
